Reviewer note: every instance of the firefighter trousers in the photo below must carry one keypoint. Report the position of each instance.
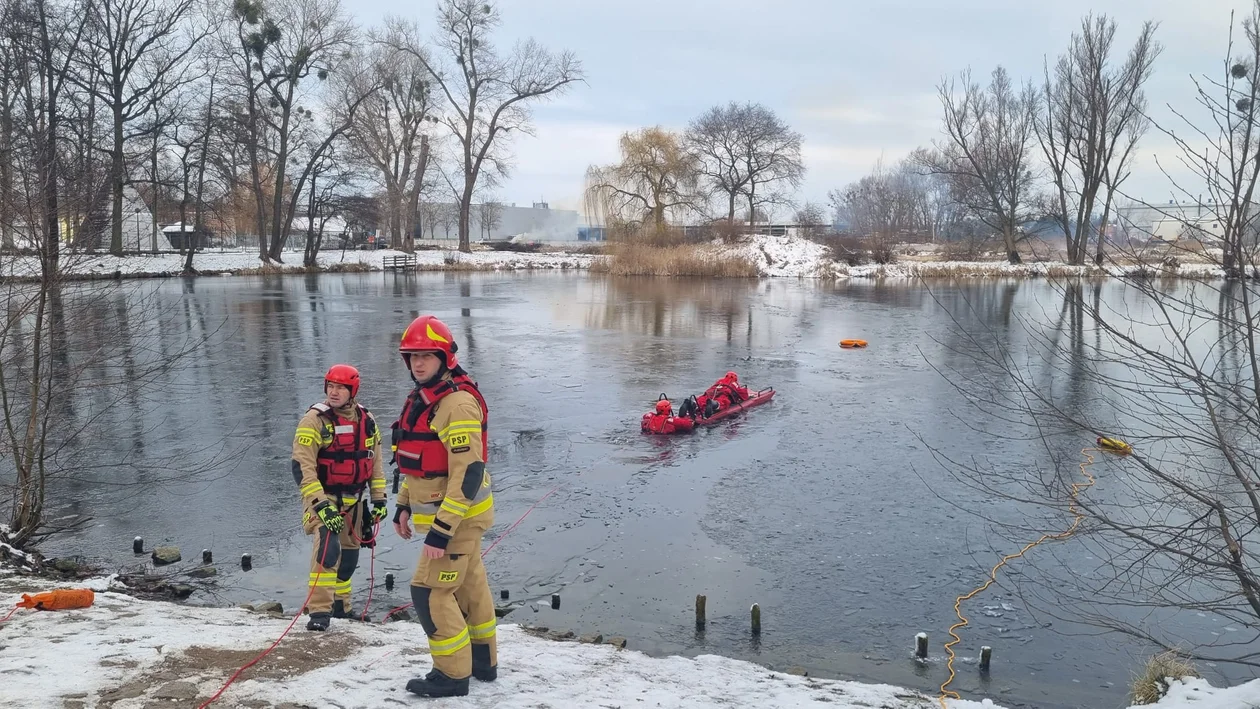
(452, 599)
(334, 559)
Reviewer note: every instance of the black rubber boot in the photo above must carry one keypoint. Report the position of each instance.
(318, 621)
(710, 407)
(482, 669)
(339, 611)
(437, 684)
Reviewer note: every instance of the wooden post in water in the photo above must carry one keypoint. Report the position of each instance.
(137, 545)
(389, 582)
(700, 601)
(555, 601)
(921, 645)
(207, 557)
(986, 654)
(504, 594)
(247, 562)
(756, 619)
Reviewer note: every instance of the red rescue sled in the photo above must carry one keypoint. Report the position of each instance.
(756, 399)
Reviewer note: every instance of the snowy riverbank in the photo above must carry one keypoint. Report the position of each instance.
(234, 262)
(773, 256)
(126, 653)
(793, 257)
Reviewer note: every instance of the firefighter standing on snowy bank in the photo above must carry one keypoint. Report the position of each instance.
(336, 458)
(440, 447)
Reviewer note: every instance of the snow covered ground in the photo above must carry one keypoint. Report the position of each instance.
(794, 257)
(131, 652)
(127, 653)
(211, 261)
(774, 256)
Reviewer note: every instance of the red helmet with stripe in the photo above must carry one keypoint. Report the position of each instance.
(343, 374)
(428, 334)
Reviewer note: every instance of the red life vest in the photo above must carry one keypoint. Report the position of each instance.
(346, 465)
(417, 449)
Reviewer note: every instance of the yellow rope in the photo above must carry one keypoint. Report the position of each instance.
(1076, 521)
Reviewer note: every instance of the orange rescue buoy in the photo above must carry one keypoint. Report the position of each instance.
(60, 600)
(852, 344)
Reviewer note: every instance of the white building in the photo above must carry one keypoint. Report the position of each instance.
(1199, 221)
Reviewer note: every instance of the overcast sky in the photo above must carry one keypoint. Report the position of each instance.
(857, 79)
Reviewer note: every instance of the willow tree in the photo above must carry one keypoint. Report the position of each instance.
(656, 178)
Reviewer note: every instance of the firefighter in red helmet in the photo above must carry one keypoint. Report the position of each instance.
(440, 447)
(336, 459)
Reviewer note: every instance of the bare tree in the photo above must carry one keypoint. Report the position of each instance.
(1094, 115)
(812, 219)
(430, 214)
(391, 133)
(42, 42)
(191, 135)
(945, 214)
(715, 138)
(886, 205)
(447, 215)
(164, 115)
(353, 87)
(314, 37)
(282, 55)
(1172, 372)
(142, 47)
(1222, 153)
(330, 174)
(988, 136)
(242, 45)
(489, 216)
(771, 153)
(487, 95)
(657, 177)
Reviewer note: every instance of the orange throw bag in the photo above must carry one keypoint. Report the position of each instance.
(59, 600)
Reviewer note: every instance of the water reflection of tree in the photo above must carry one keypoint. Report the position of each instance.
(1172, 369)
(674, 307)
(93, 356)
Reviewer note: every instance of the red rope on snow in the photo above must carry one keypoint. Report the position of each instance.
(297, 616)
(375, 532)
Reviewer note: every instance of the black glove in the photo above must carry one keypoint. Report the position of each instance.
(330, 517)
(398, 510)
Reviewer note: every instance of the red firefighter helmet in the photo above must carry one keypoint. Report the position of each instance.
(663, 406)
(428, 334)
(731, 377)
(343, 374)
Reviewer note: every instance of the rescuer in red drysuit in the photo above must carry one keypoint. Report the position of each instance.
(662, 419)
(724, 392)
